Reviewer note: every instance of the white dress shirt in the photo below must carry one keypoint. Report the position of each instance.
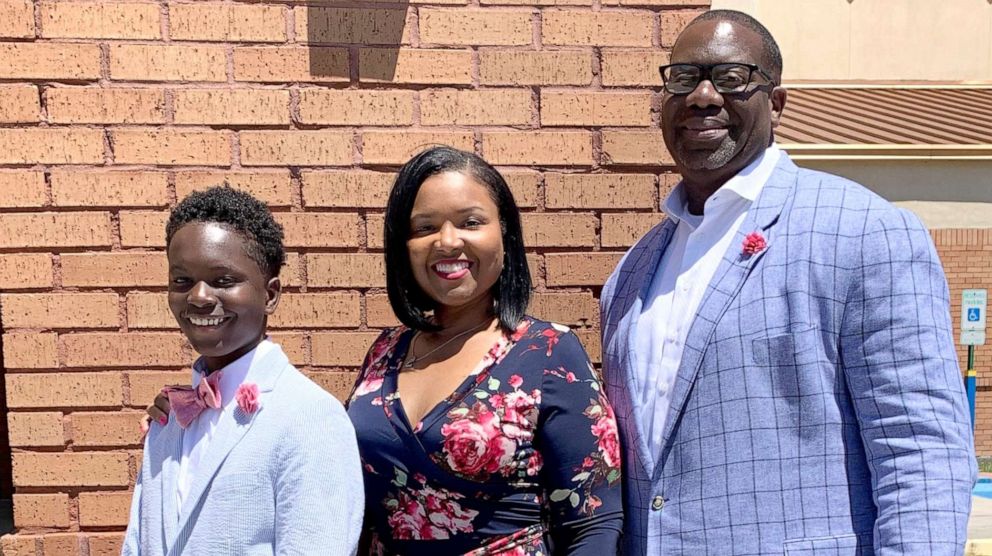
(197, 438)
(684, 272)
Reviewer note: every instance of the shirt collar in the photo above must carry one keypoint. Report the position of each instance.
(236, 372)
(746, 184)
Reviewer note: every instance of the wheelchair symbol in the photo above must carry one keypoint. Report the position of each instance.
(974, 314)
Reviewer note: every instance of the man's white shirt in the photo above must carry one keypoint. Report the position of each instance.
(197, 438)
(684, 272)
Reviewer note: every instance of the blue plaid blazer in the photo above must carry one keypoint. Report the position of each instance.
(285, 479)
(819, 406)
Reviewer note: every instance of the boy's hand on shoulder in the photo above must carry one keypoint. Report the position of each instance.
(159, 410)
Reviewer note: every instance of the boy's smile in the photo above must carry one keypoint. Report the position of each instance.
(219, 295)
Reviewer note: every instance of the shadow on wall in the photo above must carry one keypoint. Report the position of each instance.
(356, 43)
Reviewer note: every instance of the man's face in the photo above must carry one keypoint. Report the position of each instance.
(712, 136)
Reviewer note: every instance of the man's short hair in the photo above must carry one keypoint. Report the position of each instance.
(771, 56)
(240, 211)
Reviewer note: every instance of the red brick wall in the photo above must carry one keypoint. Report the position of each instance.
(111, 111)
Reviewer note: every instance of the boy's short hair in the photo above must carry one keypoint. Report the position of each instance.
(240, 211)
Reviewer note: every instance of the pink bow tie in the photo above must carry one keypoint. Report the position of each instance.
(187, 403)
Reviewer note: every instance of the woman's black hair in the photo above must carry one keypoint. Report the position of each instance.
(511, 293)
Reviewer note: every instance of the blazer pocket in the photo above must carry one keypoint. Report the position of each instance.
(238, 482)
(837, 545)
(784, 350)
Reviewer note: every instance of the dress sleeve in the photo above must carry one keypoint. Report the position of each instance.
(577, 438)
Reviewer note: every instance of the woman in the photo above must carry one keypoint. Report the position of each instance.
(482, 430)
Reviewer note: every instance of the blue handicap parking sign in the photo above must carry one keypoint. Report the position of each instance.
(974, 314)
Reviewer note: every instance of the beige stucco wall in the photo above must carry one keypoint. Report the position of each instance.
(892, 40)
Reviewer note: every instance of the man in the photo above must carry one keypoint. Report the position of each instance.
(779, 349)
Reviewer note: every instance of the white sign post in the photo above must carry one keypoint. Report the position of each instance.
(973, 316)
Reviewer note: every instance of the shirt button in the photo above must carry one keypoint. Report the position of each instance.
(657, 503)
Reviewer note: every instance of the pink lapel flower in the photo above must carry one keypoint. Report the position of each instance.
(754, 243)
(247, 397)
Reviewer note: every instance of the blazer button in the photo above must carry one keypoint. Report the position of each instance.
(657, 503)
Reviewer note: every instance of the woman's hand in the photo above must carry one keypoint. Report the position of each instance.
(159, 410)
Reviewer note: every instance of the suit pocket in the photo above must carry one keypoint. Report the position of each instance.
(238, 482)
(785, 350)
(838, 545)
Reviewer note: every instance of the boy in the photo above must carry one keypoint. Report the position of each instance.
(254, 458)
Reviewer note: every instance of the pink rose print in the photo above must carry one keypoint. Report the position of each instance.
(474, 443)
(247, 397)
(605, 429)
(754, 243)
(516, 381)
(427, 513)
(369, 385)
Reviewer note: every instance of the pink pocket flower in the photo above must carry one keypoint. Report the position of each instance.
(247, 397)
(754, 243)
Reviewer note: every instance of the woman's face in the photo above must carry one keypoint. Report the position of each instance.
(456, 242)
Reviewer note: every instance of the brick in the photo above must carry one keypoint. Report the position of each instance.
(25, 270)
(635, 147)
(421, 65)
(585, 191)
(20, 544)
(145, 385)
(673, 22)
(296, 148)
(338, 384)
(579, 269)
(51, 145)
(41, 510)
(366, 27)
(143, 228)
(624, 68)
(106, 429)
(55, 229)
(658, 3)
(472, 27)
(90, 105)
(378, 312)
(233, 107)
(291, 64)
(576, 108)
(70, 469)
(520, 67)
(105, 544)
(214, 21)
(525, 148)
(104, 509)
(294, 345)
(356, 107)
(16, 19)
(100, 20)
(396, 147)
(22, 189)
(477, 107)
(59, 310)
(149, 310)
(346, 188)
(50, 61)
(623, 230)
(341, 349)
(530, 3)
(559, 230)
(320, 229)
(572, 309)
(291, 274)
(591, 341)
(171, 148)
(273, 188)
(525, 186)
(30, 351)
(62, 544)
(374, 230)
(132, 268)
(60, 390)
(19, 104)
(35, 429)
(586, 28)
(317, 310)
(145, 62)
(109, 189)
(93, 349)
(346, 270)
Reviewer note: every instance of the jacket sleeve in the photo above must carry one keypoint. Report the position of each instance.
(319, 491)
(132, 539)
(898, 356)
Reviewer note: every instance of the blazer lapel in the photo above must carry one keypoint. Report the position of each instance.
(229, 434)
(727, 282)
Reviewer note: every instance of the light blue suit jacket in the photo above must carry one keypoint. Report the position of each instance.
(283, 480)
(819, 407)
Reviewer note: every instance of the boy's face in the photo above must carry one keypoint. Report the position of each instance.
(219, 295)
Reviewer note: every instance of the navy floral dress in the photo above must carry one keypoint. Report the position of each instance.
(522, 459)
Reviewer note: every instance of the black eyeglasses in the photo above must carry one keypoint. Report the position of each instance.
(682, 79)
